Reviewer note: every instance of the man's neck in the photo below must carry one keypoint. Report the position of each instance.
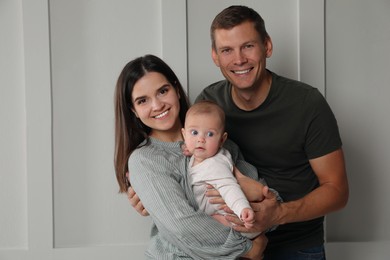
(251, 98)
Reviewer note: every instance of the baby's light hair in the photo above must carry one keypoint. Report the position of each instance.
(207, 107)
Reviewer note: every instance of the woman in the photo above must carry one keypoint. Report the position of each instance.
(150, 106)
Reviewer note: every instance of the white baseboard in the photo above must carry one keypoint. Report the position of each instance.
(379, 250)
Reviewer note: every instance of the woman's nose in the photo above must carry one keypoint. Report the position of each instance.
(157, 104)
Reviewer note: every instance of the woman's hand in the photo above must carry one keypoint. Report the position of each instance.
(258, 246)
(215, 198)
(135, 201)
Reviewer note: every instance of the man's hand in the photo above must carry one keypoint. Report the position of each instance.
(250, 187)
(136, 202)
(265, 214)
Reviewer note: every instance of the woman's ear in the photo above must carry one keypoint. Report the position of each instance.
(135, 113)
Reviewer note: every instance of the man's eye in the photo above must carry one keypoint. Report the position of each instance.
(194, 132)
(210, 134)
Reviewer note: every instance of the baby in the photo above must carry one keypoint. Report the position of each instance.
(204, 134)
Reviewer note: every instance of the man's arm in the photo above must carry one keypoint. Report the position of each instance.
(331, 195)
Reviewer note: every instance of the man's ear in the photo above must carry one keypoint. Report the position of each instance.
(214, 56)
(268, 47)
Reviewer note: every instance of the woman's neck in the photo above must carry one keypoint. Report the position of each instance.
(167, 136)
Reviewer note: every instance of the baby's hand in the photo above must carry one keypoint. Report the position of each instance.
(248, 217)
(186, 152)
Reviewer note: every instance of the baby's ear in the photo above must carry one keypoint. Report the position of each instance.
(223, 138)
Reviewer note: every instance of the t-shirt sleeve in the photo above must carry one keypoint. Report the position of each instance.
(322, 130)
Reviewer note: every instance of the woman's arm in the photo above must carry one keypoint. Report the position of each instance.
(198, 235)
(135, 201)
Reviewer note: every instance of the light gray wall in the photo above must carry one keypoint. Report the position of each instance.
(358, 89)
(91, 41)
(13, 194)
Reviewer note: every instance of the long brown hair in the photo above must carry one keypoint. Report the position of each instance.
(129, 130)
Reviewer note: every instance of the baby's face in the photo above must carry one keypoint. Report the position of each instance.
(203, 135)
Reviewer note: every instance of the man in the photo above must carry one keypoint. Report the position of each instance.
(283, 127)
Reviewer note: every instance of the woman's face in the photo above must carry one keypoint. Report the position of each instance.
(156, 104)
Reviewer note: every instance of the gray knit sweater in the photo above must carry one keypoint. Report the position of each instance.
(158, 174)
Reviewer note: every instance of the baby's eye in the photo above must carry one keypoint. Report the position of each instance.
(194, 132)
(210, 134)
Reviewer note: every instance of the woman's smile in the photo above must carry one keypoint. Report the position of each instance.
(161, 115)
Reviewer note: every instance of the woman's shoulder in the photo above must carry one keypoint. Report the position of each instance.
(156, 148)
(157, 158)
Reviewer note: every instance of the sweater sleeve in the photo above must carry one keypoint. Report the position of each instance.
(158, 184)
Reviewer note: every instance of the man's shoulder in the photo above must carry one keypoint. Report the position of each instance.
(282, 81)
(213, 90)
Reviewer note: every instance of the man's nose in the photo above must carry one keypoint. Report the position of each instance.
(239, 57)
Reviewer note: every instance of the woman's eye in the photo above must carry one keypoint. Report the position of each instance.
(164, 90)
(140, 101)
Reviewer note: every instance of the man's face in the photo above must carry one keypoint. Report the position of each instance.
(241, 55)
